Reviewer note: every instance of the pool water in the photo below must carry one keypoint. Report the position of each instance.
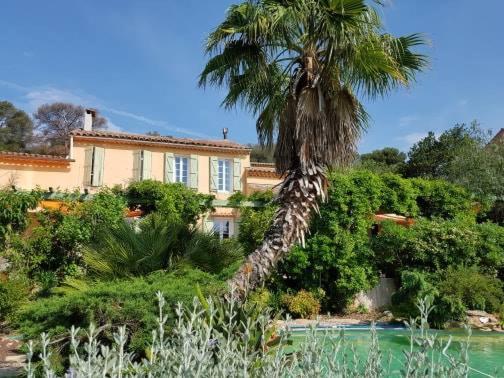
(486, 349)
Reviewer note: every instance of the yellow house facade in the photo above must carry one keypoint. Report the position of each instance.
(104, 159)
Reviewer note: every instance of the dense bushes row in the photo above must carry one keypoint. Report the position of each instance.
(342, 258)
(87, 241)
(116, 302)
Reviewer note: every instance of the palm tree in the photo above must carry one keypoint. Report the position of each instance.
(298, 66)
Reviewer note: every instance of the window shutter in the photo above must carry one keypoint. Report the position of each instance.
(214, 173)
(147, 165)
(88, 165)
(193, 167)
(137, 163)
(168, 167)
(236, 174)
(99, 158)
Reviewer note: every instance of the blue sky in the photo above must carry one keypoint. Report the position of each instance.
(138, 62)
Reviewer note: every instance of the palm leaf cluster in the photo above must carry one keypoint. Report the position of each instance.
(299, 65)
(156, 244)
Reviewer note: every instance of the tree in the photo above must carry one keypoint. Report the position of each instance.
(479, 168)
(56, 121)
(262, 154)
(431, 156)
(299, 66)
(388, 159)
(16, 128)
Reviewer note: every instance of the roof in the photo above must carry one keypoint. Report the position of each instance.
(165, 140)
(499, 137)
(9, 155)
(262, 170)
(399, 219)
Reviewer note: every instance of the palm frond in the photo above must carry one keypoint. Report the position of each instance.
(127, 252)
(298, 66)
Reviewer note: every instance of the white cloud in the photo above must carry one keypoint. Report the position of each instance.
(412, 138)
(36, 96)
(136, 117)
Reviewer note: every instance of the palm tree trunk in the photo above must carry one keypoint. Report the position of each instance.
(298, 199)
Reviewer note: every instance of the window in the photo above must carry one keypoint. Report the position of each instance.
(224, 184)
(181, 171)
(222, 228)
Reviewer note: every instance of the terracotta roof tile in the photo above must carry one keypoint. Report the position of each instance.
(26, 155)
(227, 144)
(262, 170)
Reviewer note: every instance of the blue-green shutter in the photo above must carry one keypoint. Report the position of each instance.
(147, 165)
(137, 164)
(214, 173)
(193, 175)
(88, 165)
(168, 167)
(236, 175)
(98, 163)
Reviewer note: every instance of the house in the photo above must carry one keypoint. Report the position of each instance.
(104, 158)
(498, 138)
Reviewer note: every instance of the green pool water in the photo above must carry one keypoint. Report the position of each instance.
(486, 350)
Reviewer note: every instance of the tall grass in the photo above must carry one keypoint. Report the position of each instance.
(200, 347)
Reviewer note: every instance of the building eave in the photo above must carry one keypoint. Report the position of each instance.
(170, 145)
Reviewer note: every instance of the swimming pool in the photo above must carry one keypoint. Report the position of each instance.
(486, 349)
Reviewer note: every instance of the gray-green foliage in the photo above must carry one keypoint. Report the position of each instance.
(199, 347)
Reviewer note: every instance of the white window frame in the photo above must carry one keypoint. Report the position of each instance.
(220, 225)
(224, 183)
(179, 177)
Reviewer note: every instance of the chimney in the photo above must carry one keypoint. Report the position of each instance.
(225, 132)
(89, 116)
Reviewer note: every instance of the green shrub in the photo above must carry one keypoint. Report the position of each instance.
(174, 201)
(260, 299)
(104, 210)
(14, 292)
(210, 254)
(52, 249)
(414, 286)
(399, 195)
(113, 303)
(439, 198)
(454, 291)
(303, 304)
(253, 226)
(429, 245)
(14, 206)
(337, 257)
(490, 248)
(475, 290)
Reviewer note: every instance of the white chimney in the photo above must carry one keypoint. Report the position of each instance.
(89, 115)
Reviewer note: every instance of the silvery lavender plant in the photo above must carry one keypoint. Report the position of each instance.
(212, 340)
